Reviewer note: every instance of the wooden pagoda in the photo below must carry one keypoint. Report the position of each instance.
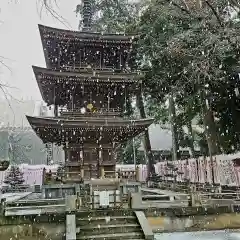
(87, 81)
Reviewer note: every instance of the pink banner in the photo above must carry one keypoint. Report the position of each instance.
(193, 174)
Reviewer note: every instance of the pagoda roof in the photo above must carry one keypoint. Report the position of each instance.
(77, 36)
(48, 79)
(51, 129)
(53, 40)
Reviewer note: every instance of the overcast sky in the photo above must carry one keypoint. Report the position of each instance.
(20, 41)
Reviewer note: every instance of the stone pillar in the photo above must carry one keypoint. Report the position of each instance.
(137, 173)
(192, 200)
(82, 172)
(70, 202)
(136, 200)
(71, 227)
(102, 172)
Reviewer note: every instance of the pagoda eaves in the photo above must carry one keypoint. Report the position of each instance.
(53, 83)
(64, 49)
(63, 34)
(112, 129)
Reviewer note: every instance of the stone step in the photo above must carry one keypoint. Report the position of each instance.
(112, 236)
(113, 228)
(106, 212)
(105, 220)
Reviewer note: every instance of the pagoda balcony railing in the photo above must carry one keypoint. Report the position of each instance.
(72, 176)
(95, 112)
(74, 68)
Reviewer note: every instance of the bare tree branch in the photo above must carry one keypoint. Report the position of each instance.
(180, 7)
(49, 6)
(214, 12)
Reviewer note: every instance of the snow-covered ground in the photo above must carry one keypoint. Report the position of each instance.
(202, 235)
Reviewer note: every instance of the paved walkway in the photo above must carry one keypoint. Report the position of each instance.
(203, 235)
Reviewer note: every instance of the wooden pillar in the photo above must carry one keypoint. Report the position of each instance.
(113, 160)
(100, 156)
(55, 110)
(100, 162)
(69, 155)
(44, 176)
(80, 58)
(59, 57)
(120, 60)
(100, 60)
(90, 170)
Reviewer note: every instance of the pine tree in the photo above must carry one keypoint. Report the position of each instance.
(14, 178)
(111, 16)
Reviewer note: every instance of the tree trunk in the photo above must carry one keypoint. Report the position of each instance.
(191, 140)
(191, 144)
(147, 144)
(209, 126)
(172, 114)
(209, 129)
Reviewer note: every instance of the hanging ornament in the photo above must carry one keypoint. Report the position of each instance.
(94, 110)
(89, 106)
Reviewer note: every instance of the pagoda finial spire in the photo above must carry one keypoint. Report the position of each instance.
(87, 15)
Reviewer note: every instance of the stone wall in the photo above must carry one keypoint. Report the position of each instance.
(37, 231)
(52, 226)
(56, 231)
(195, 223)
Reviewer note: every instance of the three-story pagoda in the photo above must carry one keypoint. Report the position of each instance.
(87, 81)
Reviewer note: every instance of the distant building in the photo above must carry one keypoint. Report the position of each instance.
(18, 142)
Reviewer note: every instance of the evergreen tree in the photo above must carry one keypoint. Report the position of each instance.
(191, 50)
(128, 150)
(112, 16)
(14, 178)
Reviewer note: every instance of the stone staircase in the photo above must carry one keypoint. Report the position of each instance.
(108, 225)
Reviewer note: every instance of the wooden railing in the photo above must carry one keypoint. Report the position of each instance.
(50, 178)
(193, 199)
(96, 111)
(122, 174)
(116, 200)
(184, 187)
(86, 68)
(36, 202)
